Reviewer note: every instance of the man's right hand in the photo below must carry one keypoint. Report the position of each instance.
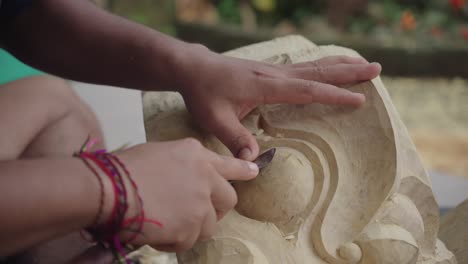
(184, 186)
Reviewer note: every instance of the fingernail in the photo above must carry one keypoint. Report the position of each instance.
(376, 64)
(253, 168)
(357, 99)
(361, 98)
(245, 153)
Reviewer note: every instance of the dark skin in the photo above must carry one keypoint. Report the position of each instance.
(67, 31)
(76, 40)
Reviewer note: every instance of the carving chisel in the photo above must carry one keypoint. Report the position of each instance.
(265, 158)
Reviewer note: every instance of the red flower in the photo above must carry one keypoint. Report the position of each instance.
(408, 21)
(457, 4)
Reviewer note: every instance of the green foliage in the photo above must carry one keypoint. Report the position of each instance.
(229, 11)
(434, 17)
(361, 25)
(381, 18)
(140, 18)
(391, 11)
(300, 15)
(156, 14)
(297, 10)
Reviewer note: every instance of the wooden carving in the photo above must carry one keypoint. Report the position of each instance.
(346, 184)
(454, 231)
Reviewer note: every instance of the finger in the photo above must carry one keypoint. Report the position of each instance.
(208, 228)
(227, 128)
(166, 247)
(339, 74)
(96, 254)
(330, 60)
(182, 244)
(298, 91)
(223, 197)
(174, 241)
(234, 169)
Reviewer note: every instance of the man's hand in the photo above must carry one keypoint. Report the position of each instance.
(185, 187)
(222, 90)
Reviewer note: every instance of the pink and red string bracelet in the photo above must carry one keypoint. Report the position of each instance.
(107, 232)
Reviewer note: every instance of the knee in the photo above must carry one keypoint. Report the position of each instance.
(70, 104)
(49, 93)
(55, 99)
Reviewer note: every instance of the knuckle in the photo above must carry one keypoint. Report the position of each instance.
(232, 200)
(239, 140)
(179, 238)
(315, 63)
(312, 89)
(207, 234)
(269, 90)
(199, 198)
(321, 73)
(186, 237)
(308, 87)
(196, 218)
(192, 143)
(183, 243)
(184, 246)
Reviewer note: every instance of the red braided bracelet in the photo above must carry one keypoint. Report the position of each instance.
(101, 196)
(104, 232)
(108, 232)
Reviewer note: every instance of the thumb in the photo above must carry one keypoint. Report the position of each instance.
(235, 169)
(227, 128)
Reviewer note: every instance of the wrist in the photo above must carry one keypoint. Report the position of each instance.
(119, 202)
(189, 63)
(101, 191)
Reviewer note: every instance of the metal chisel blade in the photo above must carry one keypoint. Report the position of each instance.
(265, 158)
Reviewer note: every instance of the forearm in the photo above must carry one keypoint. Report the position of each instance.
(77, 40)
(44, 198)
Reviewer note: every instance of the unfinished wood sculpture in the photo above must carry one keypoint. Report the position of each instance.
(346, 184)
(454, 231)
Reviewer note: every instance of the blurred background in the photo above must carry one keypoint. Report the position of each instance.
(225, 24)
(422, 45)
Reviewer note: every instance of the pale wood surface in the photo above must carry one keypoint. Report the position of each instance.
(371, 200)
